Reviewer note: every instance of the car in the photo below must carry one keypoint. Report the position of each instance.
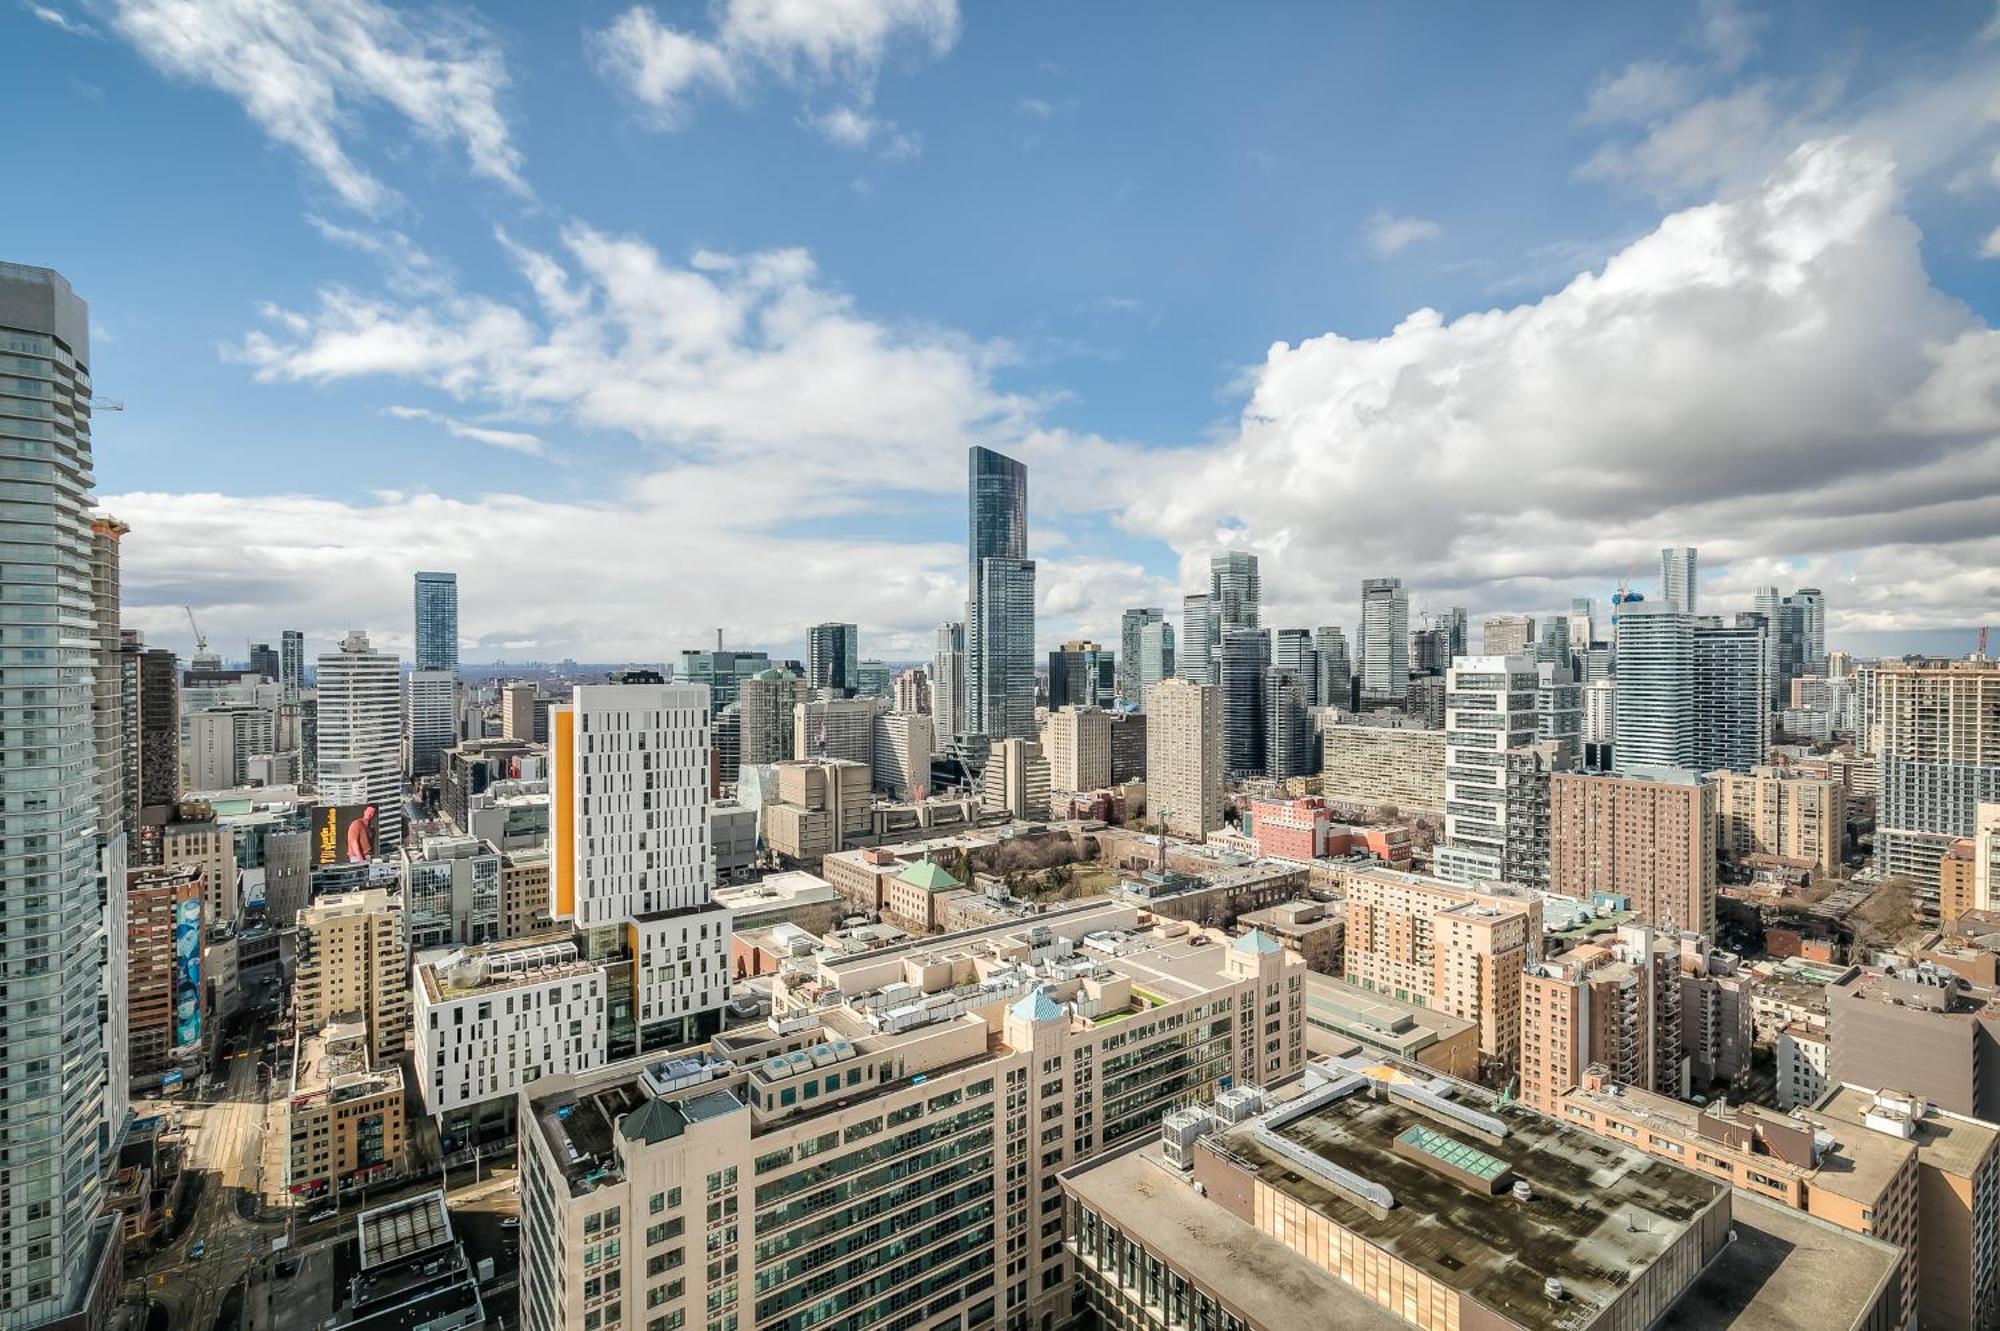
(323, 1213)
(511, 1222)
(196, 1249)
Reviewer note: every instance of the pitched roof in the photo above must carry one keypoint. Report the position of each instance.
(929, 876)
(653, 1122)
(1256, 941)
(1036, 1007)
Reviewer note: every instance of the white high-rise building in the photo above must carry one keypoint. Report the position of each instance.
(630, 863)
(1600, 712)
(1655, 686)
(1184, 757)
(1489, 712)
(948, 682)
(1077, 743)
(1194, 658)
(1385, 640)
(1677, 578)
(901, 756)
(361, 730)
(432, 718)
(836, 728)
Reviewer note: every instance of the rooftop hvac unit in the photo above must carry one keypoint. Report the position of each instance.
(1179, 1131)
(1237, 1103)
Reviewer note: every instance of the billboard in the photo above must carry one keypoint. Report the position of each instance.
(187, 970)
(344, 834)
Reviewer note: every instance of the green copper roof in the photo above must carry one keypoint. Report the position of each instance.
(928, 876)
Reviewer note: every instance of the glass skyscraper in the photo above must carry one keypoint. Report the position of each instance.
(1000, 600)
(833, 665)
(53, 1240)
(437, 621)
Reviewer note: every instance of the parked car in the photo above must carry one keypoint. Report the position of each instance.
(323, 1213)
(511, 1222)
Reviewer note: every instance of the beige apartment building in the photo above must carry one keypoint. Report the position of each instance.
(1366, 767)
(1646, 836)
(1184, 757)
(195, 838)
(1423, 940)
(353, 963)
(1614, 1004)
(885, 1152)
(1077, 741)
(1774, 814)
(524, 892)
(345, 1115)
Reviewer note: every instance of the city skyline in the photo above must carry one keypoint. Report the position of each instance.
(790, 394)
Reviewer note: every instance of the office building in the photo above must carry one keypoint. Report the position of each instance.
(1244, 657)
(1077, 742)
(1235, 592)
(1368, 767)
(1128, 745)
(1430, 650)
(1489, 715)
(1647, 837)
(1679, 578)
(631, 769)
(451, 890)
(1552, 646)
(833, 660)
(1015, 780)
(221, 741)
(1184, 757)
(1507, 635)
(196, 838)
(872, 678)
(722, 671)
(433, 718)
(353, 965)
(1385, 640)
(1131, 628)
(263, 661)
(360, 731)
(1081, 674)
(1344, 1018)
(291, 663)
(1194, 658)
(1336, 668)
(1772, 816)
(1811, 602)
(911, 691)
(1614, 1003)
(958, 1095)
(436, 622)
(1937, 736)
(1427, 941)
(1292, 650)
(820, 804)
(948, 682)
(1376, 1195)
(1582, 624)
(1000, 600)
(165, 998)
(57, 1252)
(842, 728)
(1156, 660)
(1919, 1029)
(900, 758)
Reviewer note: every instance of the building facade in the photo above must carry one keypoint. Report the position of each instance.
(1646, 837)
(1184, 757)
(1000, 600)
(360, 731)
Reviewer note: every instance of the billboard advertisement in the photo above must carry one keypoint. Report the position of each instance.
(187, 970)
(345, 834)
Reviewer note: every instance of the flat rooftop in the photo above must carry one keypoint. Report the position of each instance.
(1601, 1212)
(1944, 1141)
(403, 1229)
(1376, 1018)
(460, 971)
(1785, 1271)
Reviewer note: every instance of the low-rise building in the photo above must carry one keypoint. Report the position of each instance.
(1365, 767)
(524, 892)
(793, 897)
(1316, 930)
(911, 898)
(411, 1272)
(165, 938)
(344, 1115)
(1801, 1065)
(1343, 1018)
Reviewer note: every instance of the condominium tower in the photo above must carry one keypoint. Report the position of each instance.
(1131, 628)
(1385, 640)
(1000, 600)
(1184, 757)
(1678, 577)
(360, 731)
(436, 622)
(833, 665)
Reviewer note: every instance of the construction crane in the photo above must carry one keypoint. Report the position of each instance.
(200, 643)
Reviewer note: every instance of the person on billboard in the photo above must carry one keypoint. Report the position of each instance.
(361, 836)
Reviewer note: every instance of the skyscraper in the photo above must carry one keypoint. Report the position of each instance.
(1336, 668)
(720, 670)
(1235, 591)
(1582, 624)
(1812, 630)
(264, 660)
(1246, 657)
(53, 1241)
(1288, 732)
(1184, 757)
(1937, 732)
(767, 701)
(1506, 635)
(1000, 600)
(1732, 690)
(1081, 674)
(437, 622)
(1489, 715)
(431, 718)
(360, 728)
(292, 663)
(1193, 660)
(1131, 625)
(1385, 640)
(1293, 650)
(1156, 658)
(833, 660)
(110, 740)
(948, 682)
(1655, 686)
(629, 765)
(1677, 578)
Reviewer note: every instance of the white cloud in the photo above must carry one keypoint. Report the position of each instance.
(1641, 92)
(1392, 235)
(514, 441)
(57, 18)
(1991, 248)
(1771, 378)
(305, 70)
(1729, 32)
(1036, 107)
(836, 47)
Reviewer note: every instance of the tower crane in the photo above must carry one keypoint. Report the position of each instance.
(200, 643)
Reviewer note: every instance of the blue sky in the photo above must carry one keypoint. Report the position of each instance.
(797, 256)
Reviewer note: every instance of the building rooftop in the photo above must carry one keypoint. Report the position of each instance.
(776, 891)
(1377, 1020)
(1786, 1271)
(1948, 1142)
(538, 958)
(332, 1062)
(402, 1229)
(1380, 1149)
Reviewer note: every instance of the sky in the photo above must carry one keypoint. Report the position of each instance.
(654, 319)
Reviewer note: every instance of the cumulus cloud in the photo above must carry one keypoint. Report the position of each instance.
(832, 48)
(305, 70)
(1768, 377)
(1392, 235)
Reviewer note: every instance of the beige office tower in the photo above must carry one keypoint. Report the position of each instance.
(1776, 813)
(884, 1151)
(1938, 731)
(1647, 835)
(1616, 1004)
(1507, 635)
(1423, 940)
(353, 966)
(517, 711)
(1077, 741)
(1015, 780)
(1184, 756)
(820, 804)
